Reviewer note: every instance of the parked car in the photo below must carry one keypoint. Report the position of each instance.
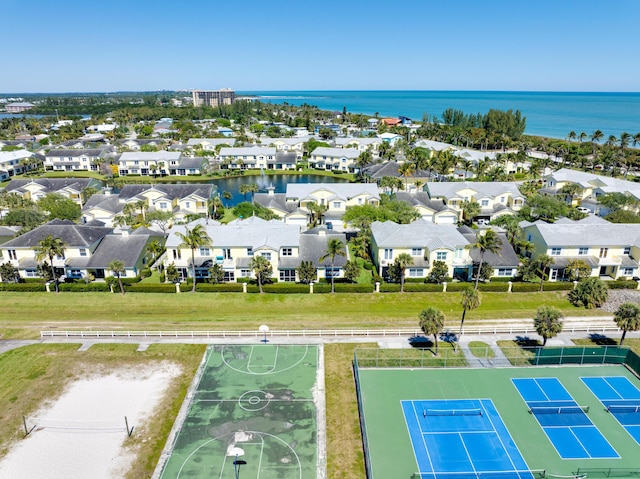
(582, 209)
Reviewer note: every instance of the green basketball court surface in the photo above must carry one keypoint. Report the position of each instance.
(253, 406)
(389, 437)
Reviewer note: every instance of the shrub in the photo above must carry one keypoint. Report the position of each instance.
(422, 288)
(23, 287)
(493, 287)
(353, 288)
(590, 293)
(622, 284)
(151, 288)
(286, 288)
(559, 286)
(525, 288)
(219, 288)
(145, 273)
(84, 287)
(163, 277)
(389, 288)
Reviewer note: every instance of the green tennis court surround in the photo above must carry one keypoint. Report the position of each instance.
(387, 440)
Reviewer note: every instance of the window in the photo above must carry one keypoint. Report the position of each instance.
(83, 252)
(229, 276)
(287, 252)
(556, 251)
(12, 254)
(205, 251)
(502, 198)
(176, 254)
(266, 255)
(329, 273)
(187, 204)
(626, 250)
(226, 252)
(388, 253)
(457, 254)
(31, 273)
(288, 275)
(249, 251)
(504, 271)
(603, 252)
(163, 205)
(416, 251)
(441, 255)
(244, 273)
(359, 201)
(336, 204)
(583, 251)
(627, 272)
(485, 203)
(529, 237)
(416, 272)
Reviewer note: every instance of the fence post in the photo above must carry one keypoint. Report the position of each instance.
(638, 284)
(47, 287)
(377, 286)
(575, 284)
(444, 287)
(510, 287)
(244, 287)
(311, 287)
(177, 287)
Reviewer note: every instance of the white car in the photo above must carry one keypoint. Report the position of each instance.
(582, 209)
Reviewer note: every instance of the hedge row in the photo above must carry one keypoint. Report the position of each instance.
(24, 287)
(150, 288)
(216, 288)
(82, 287)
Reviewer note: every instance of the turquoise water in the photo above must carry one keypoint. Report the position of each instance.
(552, 114)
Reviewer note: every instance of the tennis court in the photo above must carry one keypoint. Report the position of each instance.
(465, 423)
(253, 415)
(621, 398)
(465, 437)
(565, 423)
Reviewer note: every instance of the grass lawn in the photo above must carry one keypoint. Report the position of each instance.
(25, 314)
(481, 350)
(32, 375)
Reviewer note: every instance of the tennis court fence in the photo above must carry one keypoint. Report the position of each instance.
(425, 357)
(524, 474)
(612, 472)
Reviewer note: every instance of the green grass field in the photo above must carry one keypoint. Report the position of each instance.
(255, 400)
(32, 375)
(390, 448)
(24, 315)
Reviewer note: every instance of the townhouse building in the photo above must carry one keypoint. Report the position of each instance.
(610, 250)
(234, 245)
(425, 242)
(334, 159)
(257, 158)
(36, 188)
(77, 159)
(88, 250)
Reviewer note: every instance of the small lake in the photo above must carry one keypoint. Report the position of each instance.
(279, 182)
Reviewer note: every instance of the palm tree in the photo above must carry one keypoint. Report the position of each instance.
(402, 261)
(335, 247)
(50, 247)
(486, 241)
(194, 238)
(406, 169)
(543, 262)
(627, 318)
(117, 267)
(470, 209)
(547, 322)
(470, 299)
(259, 265)
(596, 136)
(226, 195)
(432, 322)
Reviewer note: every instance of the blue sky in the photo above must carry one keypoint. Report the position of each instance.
(541, 45)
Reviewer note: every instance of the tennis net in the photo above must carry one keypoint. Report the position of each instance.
(452, 412)
(625, 409)
(559, 410)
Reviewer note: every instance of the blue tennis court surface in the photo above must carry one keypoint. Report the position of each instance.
(462, 438)
(621, 398)
(565, 423)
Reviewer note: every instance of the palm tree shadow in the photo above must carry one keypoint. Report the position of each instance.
(602, 340)
(526, 343)
(421, 342)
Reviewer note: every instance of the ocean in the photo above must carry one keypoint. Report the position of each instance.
(551, 114)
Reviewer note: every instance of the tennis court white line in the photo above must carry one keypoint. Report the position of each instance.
(426, 449)
(498, 434)
(615, 390)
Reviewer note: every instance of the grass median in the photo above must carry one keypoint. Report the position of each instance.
(25, 314)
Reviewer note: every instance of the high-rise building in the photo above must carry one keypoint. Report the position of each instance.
(214, 98)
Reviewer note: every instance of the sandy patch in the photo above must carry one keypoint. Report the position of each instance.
(86, 433)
